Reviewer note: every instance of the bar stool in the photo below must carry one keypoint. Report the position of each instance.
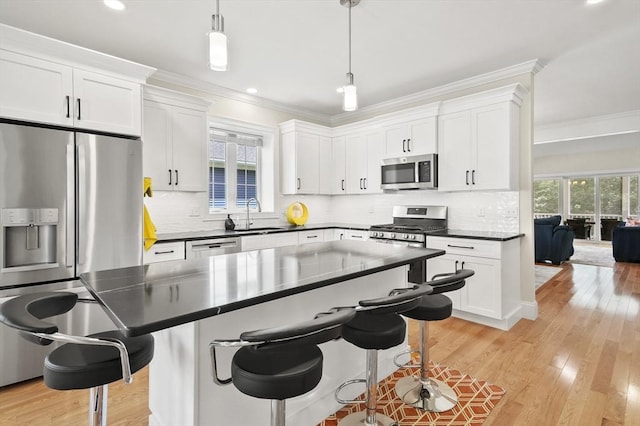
(423, 392)
(377, 325)
(90, 362)
(283, 362)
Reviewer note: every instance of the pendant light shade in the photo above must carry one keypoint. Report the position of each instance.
(350, 97)
(349, 92)
(218, 52)
(218, 43)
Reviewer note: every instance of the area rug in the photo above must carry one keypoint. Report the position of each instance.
(544, 273)
(476, 399)
(592, 253)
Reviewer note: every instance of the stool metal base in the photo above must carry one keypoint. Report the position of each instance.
(434, 395)
(359, 418)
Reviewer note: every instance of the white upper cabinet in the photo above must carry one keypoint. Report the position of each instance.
(363, 155)
(338, 178)
(175, 139)
(412, 138)
(51, 82)
(306, 155)
(35, 90)
(106, 103)
(478, 141)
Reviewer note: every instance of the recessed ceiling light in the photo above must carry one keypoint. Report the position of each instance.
(252, 90)
(114, 4)
(591, 2)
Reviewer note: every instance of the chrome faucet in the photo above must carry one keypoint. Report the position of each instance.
(259, 209)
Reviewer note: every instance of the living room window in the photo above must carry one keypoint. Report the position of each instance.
(547, 197)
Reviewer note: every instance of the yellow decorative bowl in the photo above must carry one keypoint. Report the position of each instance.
(297, 214)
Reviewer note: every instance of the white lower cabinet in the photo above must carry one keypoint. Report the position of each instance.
(313, 236)
(492, 295)
(162, 252)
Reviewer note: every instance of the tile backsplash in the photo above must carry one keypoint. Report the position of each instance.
(481, 211)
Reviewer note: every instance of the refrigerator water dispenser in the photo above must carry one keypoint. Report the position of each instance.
(29, 237)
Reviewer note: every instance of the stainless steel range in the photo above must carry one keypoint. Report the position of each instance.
(410, 226)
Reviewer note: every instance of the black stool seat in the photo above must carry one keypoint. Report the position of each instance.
(278, 372)
(371, 331)
(433, 307)
(73, 366)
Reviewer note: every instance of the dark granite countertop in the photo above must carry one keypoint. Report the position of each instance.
(221, 233)
(477, 235)
(148, 298)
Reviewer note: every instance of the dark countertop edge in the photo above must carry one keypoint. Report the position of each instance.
(476, 235)
(219, 310)
(221, 233)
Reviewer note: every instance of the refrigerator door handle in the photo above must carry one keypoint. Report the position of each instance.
(82, 196)
(70, 223)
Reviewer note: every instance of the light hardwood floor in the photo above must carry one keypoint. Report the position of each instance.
(577, 364)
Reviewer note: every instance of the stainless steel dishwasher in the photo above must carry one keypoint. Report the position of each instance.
(212, 247)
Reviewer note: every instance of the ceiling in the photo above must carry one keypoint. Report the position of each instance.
(295, 51)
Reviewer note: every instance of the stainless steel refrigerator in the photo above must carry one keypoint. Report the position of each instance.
(70, 202)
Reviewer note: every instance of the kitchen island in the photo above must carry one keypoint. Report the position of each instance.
(186, 304)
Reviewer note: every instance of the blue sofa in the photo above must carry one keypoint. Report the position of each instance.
(553, 242)
(626, 243)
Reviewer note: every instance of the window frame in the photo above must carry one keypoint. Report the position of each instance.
(265, 177)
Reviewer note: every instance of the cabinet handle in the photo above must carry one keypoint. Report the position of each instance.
(467, 177)
(360, 183)
(455, 268)
(79, 108)
(170, 176)
(343, 184)
(462, 247)
(462, 265)
(176, 176)
(473, 177)
(364, 180)
(164, 252)
(409, 145)
(298, 179)
(356, 236)
(311, 236)
(68, 106)
(403, 146)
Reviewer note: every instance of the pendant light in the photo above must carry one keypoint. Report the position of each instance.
(218, 43)
(349, 95)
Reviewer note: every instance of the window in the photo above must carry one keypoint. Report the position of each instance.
(582, 197)
(233, 169)
(546, 197)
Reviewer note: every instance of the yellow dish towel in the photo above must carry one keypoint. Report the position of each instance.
(148, 228)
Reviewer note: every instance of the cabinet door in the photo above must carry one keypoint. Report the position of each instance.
(482, 293)
(338, 159)
(106, 103)
(156, 145)
(455, 151)
(325, 166)
(423, 136)
(189, 149)
(35, 90)
(307, 164)
(396, 141)
(374, 154)
(493, 147)
(356, 149)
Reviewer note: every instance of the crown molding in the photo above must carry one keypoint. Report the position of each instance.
(42, 47)
(216, 90)
(591, 127)
(533, 66)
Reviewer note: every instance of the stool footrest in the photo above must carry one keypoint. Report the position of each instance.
(403, 353)
(345, 384)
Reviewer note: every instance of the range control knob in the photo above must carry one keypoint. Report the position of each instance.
(413, 237)
(405, 236)
(392, 236)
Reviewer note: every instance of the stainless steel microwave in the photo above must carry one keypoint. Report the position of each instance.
(413, 172)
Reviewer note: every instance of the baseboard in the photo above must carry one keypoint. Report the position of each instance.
(503, 324)
(529, 310)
